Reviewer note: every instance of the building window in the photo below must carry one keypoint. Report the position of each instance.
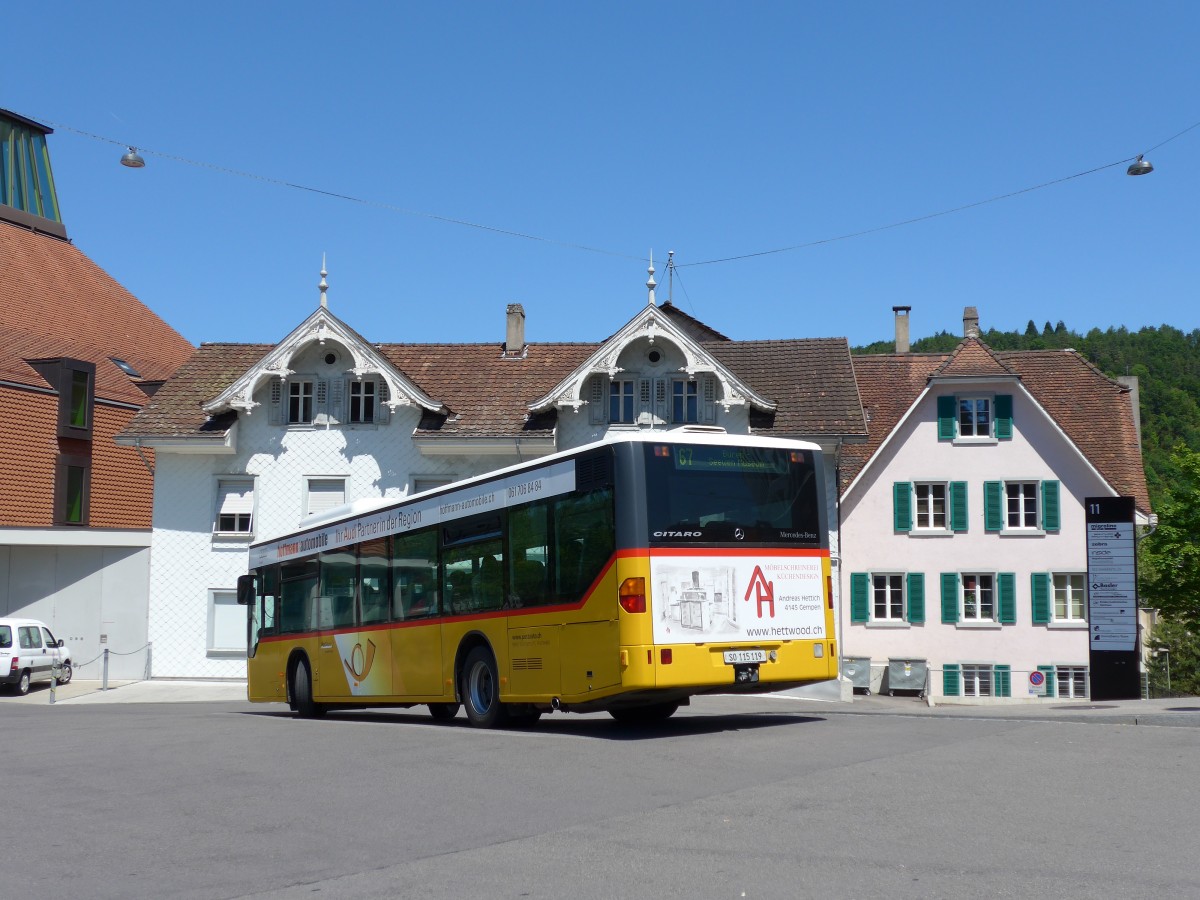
(621, 401)
(362, 402)
(429, 482)
(1071, 682)
(685, 401)
(226, 625)
(887, 594)
(931, 506)
(974, 417)
(300, 402)
(235, 506)
(324, 494)
(1069, 597)
(72, 489)
(976, 681)
(1021, 504)
(978, 598)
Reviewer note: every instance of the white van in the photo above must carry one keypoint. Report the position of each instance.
(29, 652)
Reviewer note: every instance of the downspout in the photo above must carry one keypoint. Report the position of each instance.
(137, 445)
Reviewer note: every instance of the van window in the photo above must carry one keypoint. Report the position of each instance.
(30, 636)
(5, 636)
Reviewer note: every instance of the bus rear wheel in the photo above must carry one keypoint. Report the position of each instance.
(481, 689)
(644, 715)
(443, 712)
(302, 700)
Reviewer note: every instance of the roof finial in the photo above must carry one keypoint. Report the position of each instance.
(323, 286)
(651, 283)
(671, 276)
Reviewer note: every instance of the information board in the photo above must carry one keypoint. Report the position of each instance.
(1112, 598)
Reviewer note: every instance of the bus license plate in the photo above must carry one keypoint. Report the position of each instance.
(736, 657)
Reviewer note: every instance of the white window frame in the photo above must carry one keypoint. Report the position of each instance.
(977, 680)
(978, 593)
(365, 394)
(1074, 678)
(321, 482)
(685, 393)
(1027, 504)
(232, 500)
(926, 506)
(623, 398)
(297, 397)
(225, 618)
(429, 482)
(974, 417)
(1069, 581)
(888, 582)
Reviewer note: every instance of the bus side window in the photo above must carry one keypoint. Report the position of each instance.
(414, 574)
(527, 553)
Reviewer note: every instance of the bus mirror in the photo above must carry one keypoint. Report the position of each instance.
(246, 592)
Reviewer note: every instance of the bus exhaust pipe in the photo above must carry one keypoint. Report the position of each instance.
(556, 705)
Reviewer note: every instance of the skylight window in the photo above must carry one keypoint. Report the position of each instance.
(125, 367)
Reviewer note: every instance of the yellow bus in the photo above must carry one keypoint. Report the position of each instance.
(623, 576)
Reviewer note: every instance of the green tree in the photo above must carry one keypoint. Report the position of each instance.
(1174, 664)
(1170, 557)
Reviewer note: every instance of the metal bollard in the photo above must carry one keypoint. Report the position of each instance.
(55, 669)
(104, 675)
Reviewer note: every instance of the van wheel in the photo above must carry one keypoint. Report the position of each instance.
(481, 689)
(64, 675)
(302, 693)
(23, 685)
(443, 712)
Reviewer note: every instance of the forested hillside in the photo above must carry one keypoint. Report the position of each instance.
(1165, 359)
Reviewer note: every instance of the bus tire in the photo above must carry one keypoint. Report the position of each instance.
(302, 698)
(443, 712)
(644, 715)
(481, 689)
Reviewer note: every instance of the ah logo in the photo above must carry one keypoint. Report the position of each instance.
(360, 660)
(763, 590)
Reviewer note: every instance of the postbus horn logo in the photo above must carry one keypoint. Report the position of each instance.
(763, 590)
(360, 660)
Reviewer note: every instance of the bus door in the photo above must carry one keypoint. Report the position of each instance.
(416, 645)
(346, 656)
(258, 592)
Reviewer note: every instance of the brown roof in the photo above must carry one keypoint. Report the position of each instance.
(58, 303)
(486, 394)
(1094, 411)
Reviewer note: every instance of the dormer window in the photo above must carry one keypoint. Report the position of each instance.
(685, 401)
(362, 402)
(300, 402)
(621, 408)
(75, 382)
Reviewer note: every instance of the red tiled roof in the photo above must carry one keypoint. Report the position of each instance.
(1094, 411)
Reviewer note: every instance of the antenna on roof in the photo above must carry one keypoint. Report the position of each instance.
(670, 276)
(651, 284)
(323, 286)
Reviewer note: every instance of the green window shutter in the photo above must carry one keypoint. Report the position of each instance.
(902, 506)
(1048, 671)
(1003, 677)
(859, 592)
(947, 420)
(1050, 509)
(950, 597)
(950, 680)
(1039, 590)
(993, 506)
(958, 506)
(916, 598)
(1008, 598)
(1003, 417)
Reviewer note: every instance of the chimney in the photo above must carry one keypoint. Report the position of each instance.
(514, 336)
(970, 322)
(901, 328)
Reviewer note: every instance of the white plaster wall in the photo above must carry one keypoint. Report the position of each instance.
(1037, 451)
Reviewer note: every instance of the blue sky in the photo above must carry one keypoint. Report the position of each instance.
(711, 129)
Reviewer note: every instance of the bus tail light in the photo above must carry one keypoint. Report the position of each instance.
(632, 595)
(829, 590)
(665, 656)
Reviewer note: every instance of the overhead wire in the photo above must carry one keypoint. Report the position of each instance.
(576, 246)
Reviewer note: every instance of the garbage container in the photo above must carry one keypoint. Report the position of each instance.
(907, 675)
(857, 670)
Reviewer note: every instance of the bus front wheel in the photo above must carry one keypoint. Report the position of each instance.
(302, 699)
(481, 689)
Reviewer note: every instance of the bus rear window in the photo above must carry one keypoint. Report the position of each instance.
(713, 494)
